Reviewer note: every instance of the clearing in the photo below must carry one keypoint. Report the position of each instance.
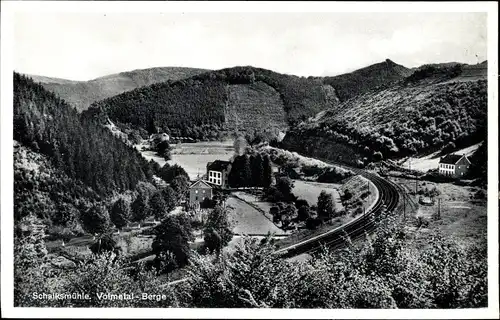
(193, 157)
(310, 191)
(248, 220)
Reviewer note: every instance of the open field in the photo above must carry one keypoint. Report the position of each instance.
(248, 220)
(193, 157)
(310, 191)
(254, 200)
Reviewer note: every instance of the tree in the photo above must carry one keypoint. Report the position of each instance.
(377, 156)
(180, 185)
(120, 213)
(257, 170)
(267, 172)
(171, 198)
(218, 226)
(304, 213)
(233, 178)
(285, 186)
(168, 172)
(213, 240)
(173, 235)
(219, 197)
(325, 205)
(140, 207)
(31, 274)
(96, 219)
(105, 243)
(158, 206)
(246, 172)
(290, 211)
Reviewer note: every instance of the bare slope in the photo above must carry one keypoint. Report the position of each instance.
(81, 94)
(255, 106)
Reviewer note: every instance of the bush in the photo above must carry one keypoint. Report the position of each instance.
(314, 170)
(422, 222)
(331, 175)
(377, 156)
(480, 195)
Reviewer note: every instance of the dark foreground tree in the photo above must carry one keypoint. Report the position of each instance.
(173, 235)
(218, 231)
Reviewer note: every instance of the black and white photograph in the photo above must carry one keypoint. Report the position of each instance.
(249, 160)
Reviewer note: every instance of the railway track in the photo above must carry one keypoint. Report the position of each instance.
(389, 196)
(357, 228)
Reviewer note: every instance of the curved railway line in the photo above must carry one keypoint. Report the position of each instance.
(356, 229)
(389, 196)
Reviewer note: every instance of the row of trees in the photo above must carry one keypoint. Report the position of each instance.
(250, 171)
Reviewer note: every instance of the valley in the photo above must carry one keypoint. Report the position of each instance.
(234, 189)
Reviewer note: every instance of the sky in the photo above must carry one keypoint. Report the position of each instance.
(84, 46)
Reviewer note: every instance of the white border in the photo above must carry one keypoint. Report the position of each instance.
(7, 10)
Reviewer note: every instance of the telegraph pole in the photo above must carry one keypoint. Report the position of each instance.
(404, 205)
(439, 209)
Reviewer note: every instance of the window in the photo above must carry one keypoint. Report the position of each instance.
(203, 191)
(196, 198)
(196, 191)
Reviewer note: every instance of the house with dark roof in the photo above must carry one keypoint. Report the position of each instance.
(199, 191)
(454, 165)
(218, 172)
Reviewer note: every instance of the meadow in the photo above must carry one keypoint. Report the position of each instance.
(193, 157)
(248, 220)
(310, 191)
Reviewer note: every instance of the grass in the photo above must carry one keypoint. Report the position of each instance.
(310, 191)
(193, 157)
(462, 217)
(248, 220)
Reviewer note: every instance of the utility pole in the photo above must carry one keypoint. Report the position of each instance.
(416, 186)
(404, 205)
(439, 209)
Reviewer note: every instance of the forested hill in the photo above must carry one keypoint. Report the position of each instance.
(81, 148)
(436, 107)
(239, 99)
(81, 94)
(363, 80)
